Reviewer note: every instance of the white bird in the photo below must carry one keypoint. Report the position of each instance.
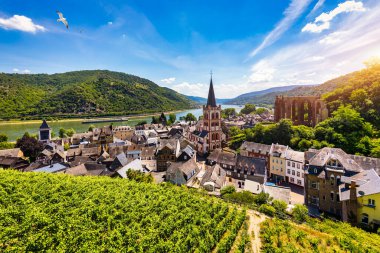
(62, 19)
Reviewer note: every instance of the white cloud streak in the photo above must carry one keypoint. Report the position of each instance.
(20, 23)
(323, 21)
(317, 6)
(169, 80)
(291, 14)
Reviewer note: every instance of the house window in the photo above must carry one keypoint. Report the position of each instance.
(365, 218)
(314, 185)
(288, 171)
(292, 180)
(258, 187)
(293, 165)
(337, 180)
(298, 173)
(332, 179)
(293, 172)
(288, 163)
(228, 173)
(315, 171)
(332, 196)
(299, 182)
(314, 200)
(298, 166)
(371, 202)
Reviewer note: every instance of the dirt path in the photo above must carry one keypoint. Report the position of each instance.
(255, 218)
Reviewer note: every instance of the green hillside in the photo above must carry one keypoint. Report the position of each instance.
(308, 90)
(42, 212)
(91, 93)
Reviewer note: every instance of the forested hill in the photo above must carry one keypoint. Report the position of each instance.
(268, 98)
(84, 93)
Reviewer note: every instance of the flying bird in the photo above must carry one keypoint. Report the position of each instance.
(62, 19)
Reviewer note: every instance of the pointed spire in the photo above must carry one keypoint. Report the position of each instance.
(211, 101)
(44, 125)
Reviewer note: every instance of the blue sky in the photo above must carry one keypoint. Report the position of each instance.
(249, 45)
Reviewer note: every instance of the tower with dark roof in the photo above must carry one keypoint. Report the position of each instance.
(212, 122)
(44, 132)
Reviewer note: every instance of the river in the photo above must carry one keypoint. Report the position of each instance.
(14, 131)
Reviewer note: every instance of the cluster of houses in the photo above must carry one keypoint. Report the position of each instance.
(245, 121)
(193, 154)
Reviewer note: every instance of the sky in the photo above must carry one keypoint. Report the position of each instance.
(248, 45)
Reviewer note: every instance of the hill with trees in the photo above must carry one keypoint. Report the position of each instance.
(84, 93)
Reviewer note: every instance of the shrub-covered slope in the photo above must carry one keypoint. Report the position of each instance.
(60, 213)
(95, 92)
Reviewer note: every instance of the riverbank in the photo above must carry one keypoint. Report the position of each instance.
(137, 116)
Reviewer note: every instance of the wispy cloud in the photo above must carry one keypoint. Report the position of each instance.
(322, 22)
(319, 58)
(169, 80)
(20, 23)
(291, 14)
(317, 6)
(25, 71)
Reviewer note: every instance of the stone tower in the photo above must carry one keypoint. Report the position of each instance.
(212, 121)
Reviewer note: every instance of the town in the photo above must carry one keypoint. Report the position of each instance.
(195, 154)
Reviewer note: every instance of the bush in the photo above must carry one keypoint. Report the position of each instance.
(3, 138)
(300, 213)
(267, 209)
(280, 207)
(227, 190)
(262, 198)
(139, 176)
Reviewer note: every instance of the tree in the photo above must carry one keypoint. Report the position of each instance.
(91, 128)
(248, 108)
(280, 207)
(228, 112)
(262, 198)
(163, 119)
(66, 146)
(29, 146)
(139, 176)
(3, 138)
(172, 118)
(300, 213)
(190, 117)
(141, 123)
(267, 209)
(227, 190)
(262, 110)
(62, 133)
(70, 132)
(155, 120)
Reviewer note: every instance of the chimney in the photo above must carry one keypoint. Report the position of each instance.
(353, 194)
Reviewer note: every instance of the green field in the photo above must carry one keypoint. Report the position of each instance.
(60, 213)
(316, 236)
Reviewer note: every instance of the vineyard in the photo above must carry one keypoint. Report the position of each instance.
(59, 213)
(316, 236)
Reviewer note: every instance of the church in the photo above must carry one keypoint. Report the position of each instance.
(208, 134)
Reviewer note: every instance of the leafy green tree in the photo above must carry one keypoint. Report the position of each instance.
(66, 146)
(267, 209)
(228, 112)
(3, 138)
(234, 131)
(300, 213)
(70, 132)
(227, 190)
(155, 120)
(91, 128)
(248, 108)
(172, 118)
(262, 198)
(139, 176)
(62, 133)
(280, 207)
(163, 119)
(190, 117)
(261, 111)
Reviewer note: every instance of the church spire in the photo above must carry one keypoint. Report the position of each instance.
(211, 101)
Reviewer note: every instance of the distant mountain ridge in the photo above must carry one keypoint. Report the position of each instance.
(84, 93)
(202, 101)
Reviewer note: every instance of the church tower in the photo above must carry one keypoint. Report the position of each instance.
(212, 121)
(45, 132)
